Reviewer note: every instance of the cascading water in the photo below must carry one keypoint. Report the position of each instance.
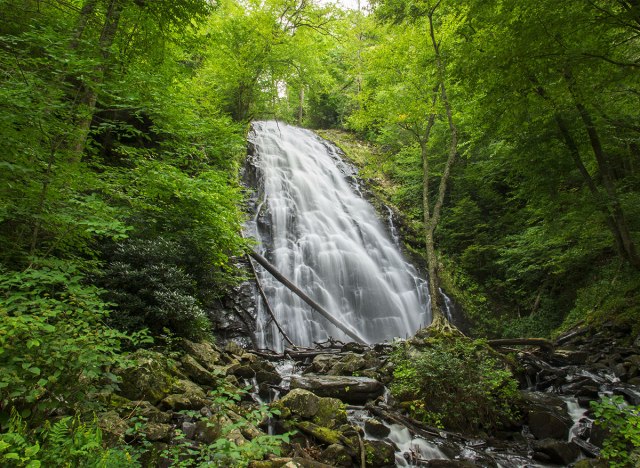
(322, 235)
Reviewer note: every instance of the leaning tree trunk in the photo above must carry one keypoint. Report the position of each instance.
(432, 218)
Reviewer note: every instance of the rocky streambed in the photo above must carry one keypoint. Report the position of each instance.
(335, 405)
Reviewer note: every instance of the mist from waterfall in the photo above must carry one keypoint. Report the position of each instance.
(312, 223)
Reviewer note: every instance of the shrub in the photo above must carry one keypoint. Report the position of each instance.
(622, 446)
(455, 381)
(67, 442)
(54, 346)
(149, 282)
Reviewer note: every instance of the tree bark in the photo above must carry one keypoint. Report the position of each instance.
(268, 306)
(574, 152)
(604, 166)
(301, 105)
(298, 292)
(431, 219)
(89, 93)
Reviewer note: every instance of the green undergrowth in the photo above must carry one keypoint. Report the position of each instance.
(455, 383)
(622, 423)
(612, 294)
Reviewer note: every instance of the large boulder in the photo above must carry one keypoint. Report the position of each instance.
(356, 390)
(196, 372)
(113, 427)
(555, 451)
(379, 454)
(205, 353)
(336, 455)
(331, 413)
(547, 415)
(301, 402)
(151, 378)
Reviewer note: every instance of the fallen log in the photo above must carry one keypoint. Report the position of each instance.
(268, 306)
(540, 342)
(415, 427)
(298, 292)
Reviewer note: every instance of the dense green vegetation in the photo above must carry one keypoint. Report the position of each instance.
(122, 123)
(455, 383)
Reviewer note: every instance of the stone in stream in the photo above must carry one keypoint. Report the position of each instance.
(555, 451)
(547, 415)
(376, 428)
(355, 390)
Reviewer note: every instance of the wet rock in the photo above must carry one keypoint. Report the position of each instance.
(348, 364)
(322, 363)
(268, 377)
(113, 427)
(156, 432)
(442, 463)
(197, 372)
(354, 390)
(587, 463)
(354, 347)
(629, 393)
(244, 372)
(547, 415)
(598, 435)
(557, 451)
(205, 353)
(189, 429)
(336, 455)
(379, 454)
(150, 379)
(376, 428)
(234, 348)
(567, 356)
(301, 402)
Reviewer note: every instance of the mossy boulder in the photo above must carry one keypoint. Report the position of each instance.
(376, 428)
(196, 372)
(151, 378)
(156, 432)
(379, 454)
(113, 427)
(301, 402)
(336, 455)
(205, 353)
(323, 434)
(331, 413)
(356, 390)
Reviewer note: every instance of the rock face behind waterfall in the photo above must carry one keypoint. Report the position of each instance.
(312, 223)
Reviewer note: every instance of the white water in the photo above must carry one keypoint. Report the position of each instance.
(328, 240)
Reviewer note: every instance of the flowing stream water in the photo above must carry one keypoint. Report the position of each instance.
(314, 225)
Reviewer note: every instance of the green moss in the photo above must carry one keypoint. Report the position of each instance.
(323, 434)
(331, 413)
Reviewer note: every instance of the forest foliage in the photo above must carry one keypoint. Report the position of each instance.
(123, 121)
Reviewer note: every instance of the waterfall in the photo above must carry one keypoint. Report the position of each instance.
(313, 224)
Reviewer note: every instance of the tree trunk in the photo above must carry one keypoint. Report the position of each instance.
(89, 93)
(574, 151)
(604, 166)
(432, 219)
(301, 106)
(298, 292)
